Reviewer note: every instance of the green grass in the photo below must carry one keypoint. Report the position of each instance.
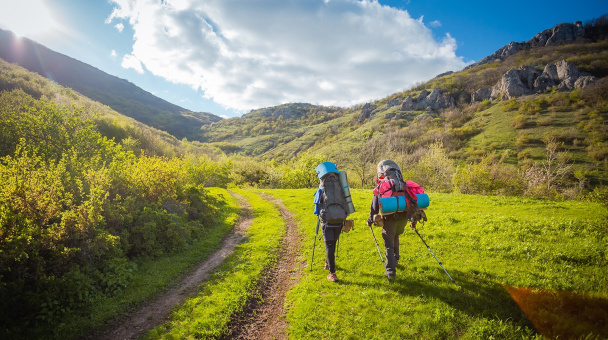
(208, 314)
(499, 134)
(154, 277)
(486, 244)
(515, 261)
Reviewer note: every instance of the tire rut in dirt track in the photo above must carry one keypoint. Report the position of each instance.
(157, 311)
(264, 318)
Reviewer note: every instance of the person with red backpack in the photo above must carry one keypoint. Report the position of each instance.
(391, 183)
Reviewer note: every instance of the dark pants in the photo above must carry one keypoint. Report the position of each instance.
(330, 236)
(393, 227)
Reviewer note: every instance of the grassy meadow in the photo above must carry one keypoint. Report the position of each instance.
(524, 268)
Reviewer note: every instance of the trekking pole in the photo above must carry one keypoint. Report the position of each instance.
(429, 248)
(315, 243)
(378, 248)
(337, 247)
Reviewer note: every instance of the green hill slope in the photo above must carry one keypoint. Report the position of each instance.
(474, 114)
(119, 94)
(26, 87)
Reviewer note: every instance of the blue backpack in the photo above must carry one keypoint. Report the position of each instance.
(332, 206)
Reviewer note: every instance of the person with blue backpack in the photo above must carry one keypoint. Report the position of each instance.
(331, 209)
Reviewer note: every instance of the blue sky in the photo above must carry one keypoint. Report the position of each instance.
(230, 56)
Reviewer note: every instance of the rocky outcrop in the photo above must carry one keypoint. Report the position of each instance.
(392, 102)
(481, 95)
(528, 80)
(434, 101)
(444, 74)
(547, 79)
(516, 83)
(560, 34)
(564, 75)
(584, 81)
(366, 111)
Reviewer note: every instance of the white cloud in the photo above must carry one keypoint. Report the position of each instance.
(113, 54)
(246, 55)
(131, 61)
(435, 23)
(119, 27)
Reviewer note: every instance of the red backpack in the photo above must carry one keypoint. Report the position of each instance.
(391, 183)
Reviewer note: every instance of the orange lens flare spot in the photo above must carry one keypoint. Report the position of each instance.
(563, 314)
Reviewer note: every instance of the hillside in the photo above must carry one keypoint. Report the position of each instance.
(20, 90)
(119, 94)
(551, 88)
(533, 115)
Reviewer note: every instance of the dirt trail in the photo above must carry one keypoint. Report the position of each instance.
(156, 312)
(264, 318)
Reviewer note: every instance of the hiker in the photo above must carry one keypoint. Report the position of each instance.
(389, 182)
(331, 210)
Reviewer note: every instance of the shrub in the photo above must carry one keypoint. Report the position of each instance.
(511, 104)
(598, 151)
(52, 234)
(519, 122)
(546, 177)
(435, 169)
(301, 172)
(522, 139)
(596, 94)
(488, 177)
(249, 172)
(545, 121)
(76, 211)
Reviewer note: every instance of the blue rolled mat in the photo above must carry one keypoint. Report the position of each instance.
(393, 204)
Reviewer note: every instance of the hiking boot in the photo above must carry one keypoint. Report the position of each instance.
(332, 277)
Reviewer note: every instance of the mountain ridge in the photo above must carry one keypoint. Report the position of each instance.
(119, 94)
(561, 33)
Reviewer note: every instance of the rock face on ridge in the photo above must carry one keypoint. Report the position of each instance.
(529, 80)
(525, 80)
(560, 34)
